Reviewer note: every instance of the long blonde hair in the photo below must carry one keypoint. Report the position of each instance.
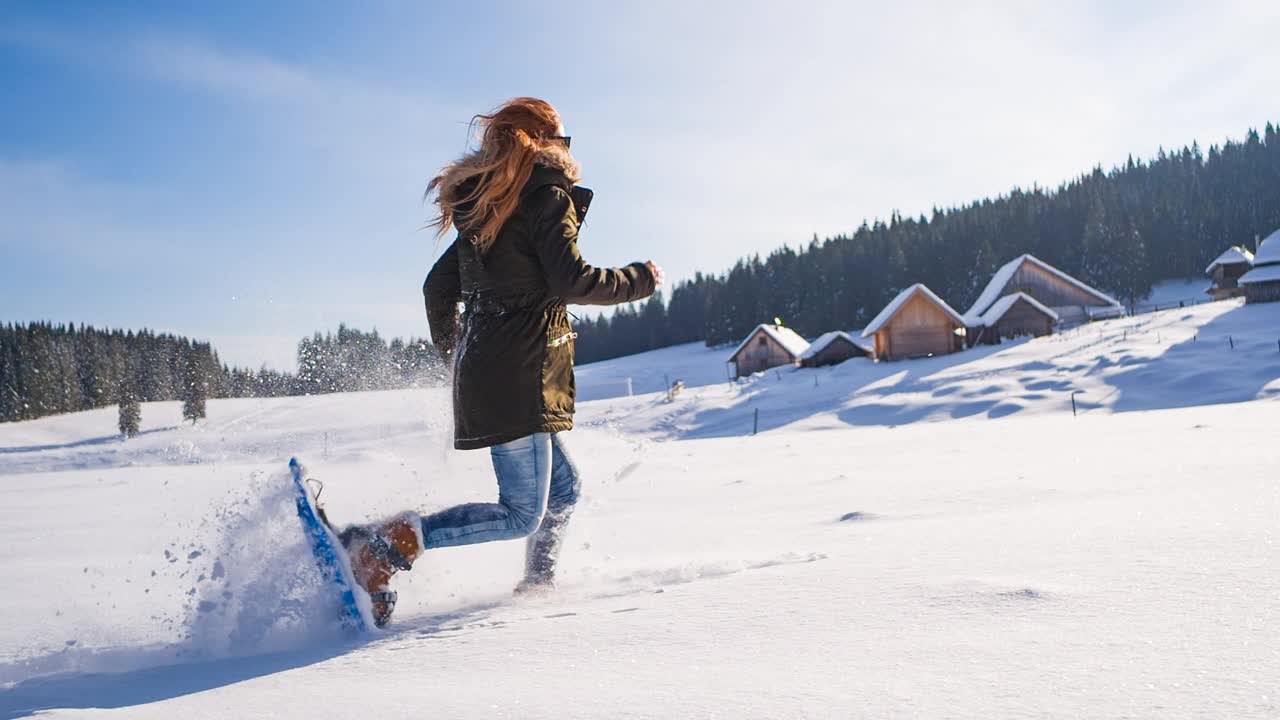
(516, 135)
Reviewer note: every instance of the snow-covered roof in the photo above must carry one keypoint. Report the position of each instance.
(896, 304)
(1233, 255)
(1269, 273)
(995, 288)
(1001, 306)
(784, 336)
(826, 339)
(1269, 250)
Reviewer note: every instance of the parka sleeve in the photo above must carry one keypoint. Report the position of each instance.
(442, 291)
(555, 241)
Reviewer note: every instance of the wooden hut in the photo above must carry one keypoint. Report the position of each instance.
(917, 323)
(833, 348)
(1072, 300)
(1226, 270)
(766, 347)
(1014, 315)
(1262, 283)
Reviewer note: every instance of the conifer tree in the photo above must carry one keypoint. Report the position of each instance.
(195, 388)
(1130, 278)
(130, 408)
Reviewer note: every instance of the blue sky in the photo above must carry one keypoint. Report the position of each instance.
(252, 172)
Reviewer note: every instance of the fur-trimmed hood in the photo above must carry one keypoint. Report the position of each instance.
(553, 157)
(559, 158)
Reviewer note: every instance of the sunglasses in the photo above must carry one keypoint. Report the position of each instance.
(564, 140)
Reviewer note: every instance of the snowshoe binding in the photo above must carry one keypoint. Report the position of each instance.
(378, 551)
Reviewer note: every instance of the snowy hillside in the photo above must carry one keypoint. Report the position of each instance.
(1212, 353)
(1171, 292)
(935, 538)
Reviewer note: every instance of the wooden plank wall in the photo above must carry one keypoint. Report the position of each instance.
(756, 356)
(919, 328)
(1023, 319)
(1048, 288)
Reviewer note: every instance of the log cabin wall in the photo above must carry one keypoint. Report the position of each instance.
(1226, 280)
(762, 353)
(919, 328)
(1020, 320)
(1048, 288)
(1262, 292)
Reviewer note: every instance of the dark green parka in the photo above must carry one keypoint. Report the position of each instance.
(512, 345)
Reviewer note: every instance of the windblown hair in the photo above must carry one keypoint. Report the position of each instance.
(479, 191)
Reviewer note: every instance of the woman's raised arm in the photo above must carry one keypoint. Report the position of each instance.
(555, 239)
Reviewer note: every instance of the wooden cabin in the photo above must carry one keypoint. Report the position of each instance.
(1262, 283)
(1016, 315)
(1072, 300)
(767, 346)
(917, 323)
(833, 348)
(1226, 271)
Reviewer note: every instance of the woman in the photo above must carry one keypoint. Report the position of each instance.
(513, 267)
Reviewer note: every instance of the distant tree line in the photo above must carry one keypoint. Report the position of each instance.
(1122, 231)
(47, 369)
(351, 360)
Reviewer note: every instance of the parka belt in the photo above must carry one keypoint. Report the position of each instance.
(496, 305)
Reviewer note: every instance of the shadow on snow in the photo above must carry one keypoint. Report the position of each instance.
(139, 687)
(103, 440)
(114, 690)
(1232, 358)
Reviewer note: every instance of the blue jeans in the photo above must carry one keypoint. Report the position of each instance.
(537, 485)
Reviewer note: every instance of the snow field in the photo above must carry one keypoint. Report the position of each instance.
(994, 563)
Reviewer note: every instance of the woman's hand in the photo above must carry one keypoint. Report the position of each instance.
(657, 272)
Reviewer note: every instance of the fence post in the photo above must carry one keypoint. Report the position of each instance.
(1073, 402)
(755, 422)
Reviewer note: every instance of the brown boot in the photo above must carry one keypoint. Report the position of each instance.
(377, 551)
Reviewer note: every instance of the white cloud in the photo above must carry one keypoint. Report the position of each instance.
(212, 69)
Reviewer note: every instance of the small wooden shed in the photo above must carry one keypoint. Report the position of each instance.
(766, 347)
(1016, 315)
(917, 323)
(1073, 301)
(1262, 283)
(1226, 270)
(833, 348)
